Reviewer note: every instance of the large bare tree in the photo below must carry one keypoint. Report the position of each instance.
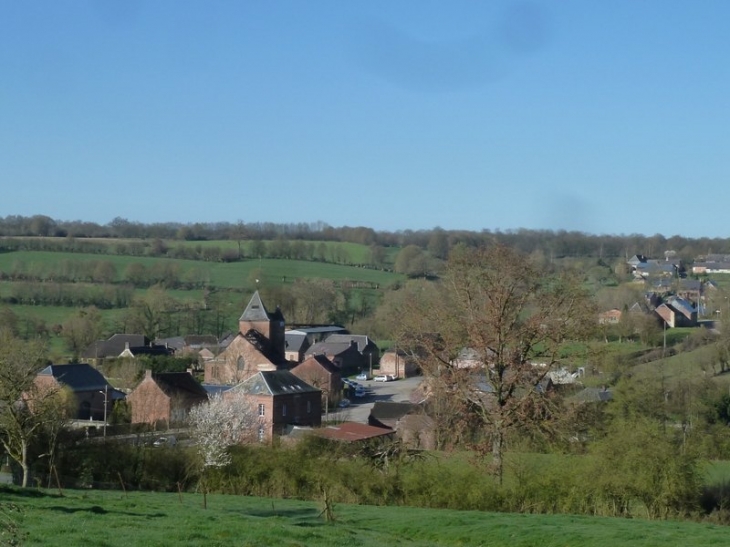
(489, 332)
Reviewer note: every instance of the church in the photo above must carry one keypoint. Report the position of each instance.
(258, 346)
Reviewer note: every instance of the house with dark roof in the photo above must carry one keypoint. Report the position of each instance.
(318, 371)
(90, 389)
(121, 346)
(296, 344)
(165, 397)
(280, 400)
(344, 355)
(367, 348)
(352, 353)
(677, 312)
(191, 344)
(259, 345)
(299, 340)
(409, 421)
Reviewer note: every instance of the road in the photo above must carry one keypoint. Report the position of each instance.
(397, 391)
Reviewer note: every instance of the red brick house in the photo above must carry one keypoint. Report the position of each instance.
(281, 400)
(320, 372)
(90, 389)
(165, 397)
(259, 345)
(398, 364)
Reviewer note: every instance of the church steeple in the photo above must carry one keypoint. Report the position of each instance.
(255, 311)
(270, 325)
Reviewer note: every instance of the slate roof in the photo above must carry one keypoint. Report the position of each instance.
(323, 361)
(294, 340)
(78, 377)
(334, 329)
(385, 413)
(115, 345)
(593, 395)
(193, 341)
(274, 382)
(682, 306)
(361, 340)
(256, 311)
(215, 389)
(175, 383)
(331, 348)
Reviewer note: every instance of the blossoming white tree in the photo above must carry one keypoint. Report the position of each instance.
(216, 426)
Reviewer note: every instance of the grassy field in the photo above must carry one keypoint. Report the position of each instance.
(236, 276)
(224, 275)
(109, 519)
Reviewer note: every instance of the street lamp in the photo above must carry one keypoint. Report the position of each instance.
(106, 395)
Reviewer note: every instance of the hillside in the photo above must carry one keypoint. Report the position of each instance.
(112, 518)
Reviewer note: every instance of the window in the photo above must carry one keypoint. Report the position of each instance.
(262, 434)
(240, 364)
(283, 410)
(262, 409)
(309, 407)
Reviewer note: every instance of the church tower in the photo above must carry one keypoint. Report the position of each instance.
(269, 325)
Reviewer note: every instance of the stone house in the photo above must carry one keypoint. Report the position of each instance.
(281, 400)
(259, 345)
(165, 397)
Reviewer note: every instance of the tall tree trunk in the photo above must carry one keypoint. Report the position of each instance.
(497, 453)
(24, 463)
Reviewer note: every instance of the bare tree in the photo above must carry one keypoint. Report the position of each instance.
(216, 426)
(490, 332)
(25, 407)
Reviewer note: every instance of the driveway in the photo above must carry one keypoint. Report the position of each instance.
(397, 391)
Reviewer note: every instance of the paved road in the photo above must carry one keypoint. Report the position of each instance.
(397, 392)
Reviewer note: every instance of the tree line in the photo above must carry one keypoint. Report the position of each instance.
(438, 241)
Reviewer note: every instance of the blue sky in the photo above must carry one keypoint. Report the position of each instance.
(603, 117)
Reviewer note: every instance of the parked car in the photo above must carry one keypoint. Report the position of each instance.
(384, 378)
(165, 441)
(360, 392)
(362, 376)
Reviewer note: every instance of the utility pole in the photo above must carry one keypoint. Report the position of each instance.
(106, 405)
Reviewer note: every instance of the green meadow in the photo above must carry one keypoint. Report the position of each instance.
(113, 518)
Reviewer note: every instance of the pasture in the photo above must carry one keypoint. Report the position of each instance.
(112, 518)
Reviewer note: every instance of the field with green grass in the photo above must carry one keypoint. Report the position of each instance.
(220, 274)
(111, 518)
